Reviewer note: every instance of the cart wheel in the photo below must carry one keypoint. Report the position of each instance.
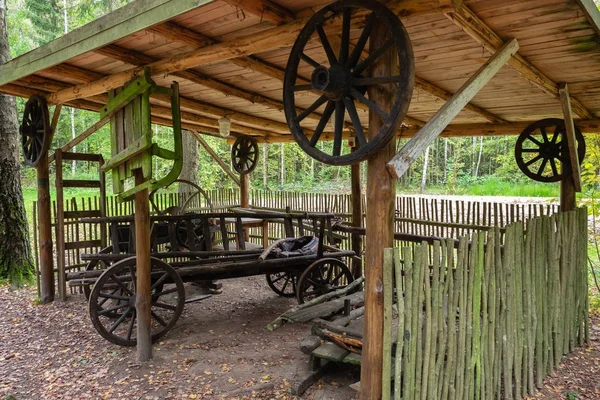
(36, 133)
(321, 277)
(342, 79)
(96, 265)
(112, 301)
(177, 210)
(197, 239)
(283, 283)
(244, 155)
(541, 156)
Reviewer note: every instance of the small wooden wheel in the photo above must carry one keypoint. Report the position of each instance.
(342, 79)
(177, 210)
(196, 240)
(112, 301)
(36, 133)
(321, 277)
(244, 155)
(541, 150)
(283, 283)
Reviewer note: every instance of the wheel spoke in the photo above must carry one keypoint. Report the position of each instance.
(301, 88)
(360, 134)
(165, 306)
(133, 277)
(101, 303)
(344, 48)
(326, 45)
(166, 292)
(542, 167)
(279, 277)
(340, 112)
(113, 296)
(553, 166)
(160, 281)
(131, 323)
(158, 318)
(533, 160)
(318, 103)
(376, 80)
(534, 140)
(363, 65)
(362, 41)
(118, 282)
(544, 134)
(556, 135)
(322, 122)
(329, 272)
(287, 280)
(530, 150)
(337, 278)
(119, 321)
(110, 310)
(359, 96)
(309, 61)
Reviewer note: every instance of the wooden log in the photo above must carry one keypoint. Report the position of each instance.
(417, 145)
(45, 231)
(380, 227)
(143, 302)
(357, 216)
(244, 194)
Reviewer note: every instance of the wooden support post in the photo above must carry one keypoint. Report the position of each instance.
(357, 218)
(244, 190)
(565, 100)
(567, 193)
(216, 157)
(60, 227)
(45, 231)
(381, 190)
(417, 145)
(142, 244)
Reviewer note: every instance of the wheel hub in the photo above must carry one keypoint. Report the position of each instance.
(334, 82)
(550, 150)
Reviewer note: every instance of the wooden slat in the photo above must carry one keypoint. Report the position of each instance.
(82, 214)
(84, 244)
(81, 156)
(80, 183)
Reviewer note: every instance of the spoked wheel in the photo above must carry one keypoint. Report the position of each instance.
(112, 301)
(176, 210)
(541, 150)
(100, 265)
(321, 277)
(342, 81)
(283, 283)
(244, 155)
(36, 133)
(191, 238)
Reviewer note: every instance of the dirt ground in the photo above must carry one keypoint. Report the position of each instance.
(219, 349)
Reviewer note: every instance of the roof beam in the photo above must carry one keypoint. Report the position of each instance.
(129, 19)
(475, 27)
(269, 39)
(592, 13)
(265, 9)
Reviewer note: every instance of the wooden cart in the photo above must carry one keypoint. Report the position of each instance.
(199, 247)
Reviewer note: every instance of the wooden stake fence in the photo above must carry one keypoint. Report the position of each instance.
(485, 321)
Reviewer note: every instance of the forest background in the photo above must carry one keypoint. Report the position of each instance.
(475, 166)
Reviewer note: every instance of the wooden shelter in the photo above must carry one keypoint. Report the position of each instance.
(482, 68)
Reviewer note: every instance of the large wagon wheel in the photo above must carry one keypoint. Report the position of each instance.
(35, 129)
(113, 298)
(321, 277)
(176, 210)
(541, 150)
(283, 283)
(342, 79)
(244, 155)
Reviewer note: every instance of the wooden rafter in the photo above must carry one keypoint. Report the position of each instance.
(436, 125)
(269, 39)
(265, 9)
(591, 13)
(475, 27)
(215, 156)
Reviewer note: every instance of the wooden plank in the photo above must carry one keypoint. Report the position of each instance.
(265, 9)
(80, 183)
(565, 100)
(81, 156)
(330, 351)
(475, 27)
(84, 244)
(127, 20)
(82, 214)
(417, 145)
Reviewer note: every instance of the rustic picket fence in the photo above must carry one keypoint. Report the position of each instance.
(490, 319)
(415, 215)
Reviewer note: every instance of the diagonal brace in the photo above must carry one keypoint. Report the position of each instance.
(565, 100)
(417, 145)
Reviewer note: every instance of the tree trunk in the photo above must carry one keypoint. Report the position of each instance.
(189, 172)
(15, 253)
(479, 157)
(445, 160)
(282, 165)
(425, 164)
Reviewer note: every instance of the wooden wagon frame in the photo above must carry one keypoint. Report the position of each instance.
(230, 58)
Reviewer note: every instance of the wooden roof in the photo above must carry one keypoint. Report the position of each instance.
(229, 57)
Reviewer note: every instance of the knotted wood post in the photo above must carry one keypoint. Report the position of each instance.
(143, 301)
(381, 190)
